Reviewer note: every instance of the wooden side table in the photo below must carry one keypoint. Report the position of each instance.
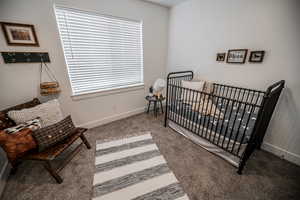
(155, 100)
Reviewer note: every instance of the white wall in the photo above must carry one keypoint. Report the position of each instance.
(201, 28)
(19, 82)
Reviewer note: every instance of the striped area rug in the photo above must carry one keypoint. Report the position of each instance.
(133, 168)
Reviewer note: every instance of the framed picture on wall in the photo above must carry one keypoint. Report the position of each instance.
(19, 34)
(257, 56)
(221, 57)
(237, 56)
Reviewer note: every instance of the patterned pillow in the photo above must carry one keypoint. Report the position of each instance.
(17, 145)
(51, 135)
(34, 125)
(49, 113)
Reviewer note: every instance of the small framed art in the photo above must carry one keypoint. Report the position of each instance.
(237, 56)
(221, 57)
(257, 56)
(19, 34)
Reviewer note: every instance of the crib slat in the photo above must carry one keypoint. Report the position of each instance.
(199, 117)
(226, 129)
(216, 129)
(223, 121)
(209, 116)
(213, 119)
(191, 114)
(186, 108)
(175, 102)
(172, 99)
(205, 117)
(181, 106)
(246, 125)
(238, 130)
(232, 129)
(194, 99)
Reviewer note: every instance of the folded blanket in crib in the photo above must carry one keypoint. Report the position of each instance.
(206, 107)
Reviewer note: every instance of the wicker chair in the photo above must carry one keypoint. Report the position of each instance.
(49, 155)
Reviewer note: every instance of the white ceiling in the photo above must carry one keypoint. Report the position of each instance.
(168, 3)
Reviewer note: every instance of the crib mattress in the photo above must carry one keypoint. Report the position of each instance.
(232, 126)
(234, 160)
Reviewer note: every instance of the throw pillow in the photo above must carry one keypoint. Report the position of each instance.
(194, 85)
(6, 122)
(34, 125)
(49, 113)
(188, 96)
(51, 135)
(17, 145)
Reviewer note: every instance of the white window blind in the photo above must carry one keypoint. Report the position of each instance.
(102, 52)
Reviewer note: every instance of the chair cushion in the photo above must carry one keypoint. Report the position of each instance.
(49, 112)
(6, 122)
(51, 135)
(34, 125)
(18, 144)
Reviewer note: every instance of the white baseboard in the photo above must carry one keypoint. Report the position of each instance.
(282, 153)
(112, 118)
(4, 176)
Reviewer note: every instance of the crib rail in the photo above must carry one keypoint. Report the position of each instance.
(243, 94)
(203, 114)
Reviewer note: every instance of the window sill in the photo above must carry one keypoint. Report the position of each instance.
(108, 92)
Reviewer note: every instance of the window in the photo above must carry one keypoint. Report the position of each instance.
(102, 52)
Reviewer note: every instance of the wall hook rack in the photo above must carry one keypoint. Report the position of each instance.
(25, 57)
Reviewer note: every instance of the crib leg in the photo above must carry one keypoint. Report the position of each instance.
(240, 169)
(248, 151)
(149, 103)
(242, 165)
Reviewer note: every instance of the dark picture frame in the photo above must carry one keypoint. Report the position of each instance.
(221, 57)
(19, 34)
(257, 56)
(237, 56)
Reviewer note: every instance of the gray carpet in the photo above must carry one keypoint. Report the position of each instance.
(202, 174)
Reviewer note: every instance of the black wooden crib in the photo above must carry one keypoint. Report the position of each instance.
(229, 121)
